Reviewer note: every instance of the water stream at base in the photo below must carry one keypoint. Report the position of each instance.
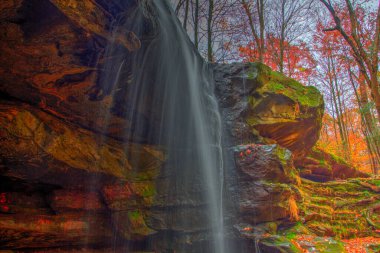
(171, 102)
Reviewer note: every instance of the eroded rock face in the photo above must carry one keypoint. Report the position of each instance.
(39, 147)
(258, 102)
(52, 55)
(266, 176)
(73, 187)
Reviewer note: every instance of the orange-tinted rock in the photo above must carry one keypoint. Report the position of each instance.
(70, 200)
(119, 197)
(40, 147)
(52, 58)
(20, 202)
(92, 18)
(39, 231)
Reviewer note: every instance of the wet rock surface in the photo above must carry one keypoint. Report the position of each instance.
(267, 183)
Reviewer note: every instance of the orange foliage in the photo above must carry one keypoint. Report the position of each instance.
(359, 245)
(329, 141)
(298, 61)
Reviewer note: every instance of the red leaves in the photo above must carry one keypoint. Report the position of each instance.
(249, 151)
(359, 245)
(4, 200)
(247, 229)
(298, 61)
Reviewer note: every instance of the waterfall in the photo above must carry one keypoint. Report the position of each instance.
(170, 102)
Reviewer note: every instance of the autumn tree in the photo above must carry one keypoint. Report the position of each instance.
(210, 24)
(364, 46)
(289, 20)
(252, 9)
(345, 90)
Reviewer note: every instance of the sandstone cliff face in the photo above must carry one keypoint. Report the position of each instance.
(52, 56)
(69, 179)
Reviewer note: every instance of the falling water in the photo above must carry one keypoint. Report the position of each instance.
(170, 102)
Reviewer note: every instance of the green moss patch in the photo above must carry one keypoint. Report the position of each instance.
(278, 83)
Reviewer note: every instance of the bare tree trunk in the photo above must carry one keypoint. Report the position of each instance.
(337, 108)
(282, 37)
(179, 5)
(196, 24)
(186, 15)
(260, 10)
(209, 30)
(255, 36)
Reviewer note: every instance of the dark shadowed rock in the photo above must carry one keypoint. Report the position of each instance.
(52, 55)
(44, 230)
(265, 162)
(266, 183)
(74, 200)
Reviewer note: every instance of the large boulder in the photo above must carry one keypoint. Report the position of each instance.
(259, 102)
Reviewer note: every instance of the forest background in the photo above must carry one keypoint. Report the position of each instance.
(330, 44)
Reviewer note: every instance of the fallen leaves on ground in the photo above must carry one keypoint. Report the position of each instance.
(359, 245)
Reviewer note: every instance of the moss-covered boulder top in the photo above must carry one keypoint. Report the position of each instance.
(260, 104)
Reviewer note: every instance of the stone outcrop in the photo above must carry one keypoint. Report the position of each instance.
(52, 57)
(79, 188)
(258, 102)
(267, 192)
(39, 147)
(265, 176)
(320, 166)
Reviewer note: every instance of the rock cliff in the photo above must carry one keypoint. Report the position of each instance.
(70, 181)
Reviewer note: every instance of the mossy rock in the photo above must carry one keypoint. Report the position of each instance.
(276, 82)
(284, 110)
(277, 244)
(318, 162)
(328, 245)
(131, 224)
